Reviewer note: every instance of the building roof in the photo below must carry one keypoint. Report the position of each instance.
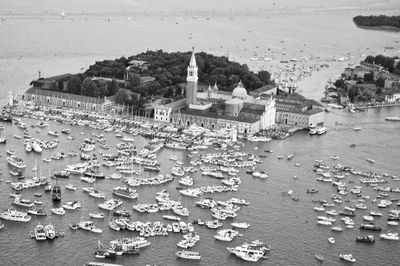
(55, 78)
(308, 112)
(63, 95)
(234, 101)
(239, 91)
(215, 115)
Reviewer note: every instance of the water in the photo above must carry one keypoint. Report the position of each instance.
(289, 226)
(34, 37)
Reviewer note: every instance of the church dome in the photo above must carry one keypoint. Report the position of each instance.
(239, 91)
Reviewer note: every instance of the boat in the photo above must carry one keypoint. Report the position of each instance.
(62, 174)
(58, 211)
(15, 161)
(23, 202)
(39, 232)
(70, 186)
(110, 204)
(56, 193)
(190, 255)
(125, 192)
(36, 211)
(331, 240)
(98, 215)
(357, 128)
(319, 257)
(50, 231)
(72, 205)
(171, 217)
(14, 215)
(366, 239)
(347, 257)
(241, 225)
(313, 131)
(53, 133)
(392, 118)
(390, 236)
(321, 130)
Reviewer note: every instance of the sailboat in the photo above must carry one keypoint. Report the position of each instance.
(62, 14)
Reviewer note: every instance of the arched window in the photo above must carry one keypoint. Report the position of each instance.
(188, 123)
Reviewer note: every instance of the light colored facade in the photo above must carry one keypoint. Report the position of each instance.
(394, 97)
(301, 119)
(55, 98)
(162, 112)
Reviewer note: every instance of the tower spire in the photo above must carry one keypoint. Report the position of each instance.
(192, 62)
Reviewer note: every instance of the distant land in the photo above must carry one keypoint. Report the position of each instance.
(380, 22)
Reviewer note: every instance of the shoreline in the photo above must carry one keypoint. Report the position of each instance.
(380, 28)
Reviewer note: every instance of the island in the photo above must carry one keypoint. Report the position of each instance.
(380, 22)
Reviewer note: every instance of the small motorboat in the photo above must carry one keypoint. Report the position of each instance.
(331, 240)
(319, 257)
(347, 257)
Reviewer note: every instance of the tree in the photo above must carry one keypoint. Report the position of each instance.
(112, 88)
(339, 83)
(134, 80)
(101, 89)
(378, 91)
(88, 88)
(368, 78)
(74, 84)
(264, 76)
(123, 97)
(380, 82)
(353, 92)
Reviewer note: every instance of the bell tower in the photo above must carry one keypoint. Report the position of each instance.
(191, 81)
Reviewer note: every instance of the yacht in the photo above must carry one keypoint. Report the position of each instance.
(16, 162)
(125, 192)
(23, 202)
(347, 257)
(58, 211)
(367, 239)
(97, 194)
(50, 231)
(110, 204)
(226, 235)
(40, 233)
(72, 205)
(14, 215)
(390, 236)
(190, 255)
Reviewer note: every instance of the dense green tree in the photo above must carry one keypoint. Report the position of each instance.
(74, 84)
(112, 87)
(380, 82)
(88, 88)
(368, 78)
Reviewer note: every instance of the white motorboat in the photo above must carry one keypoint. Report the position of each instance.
(331, 240)
(110, 204)
(58, 211)
(39, 232)
(390, 236)
(347, 257)
(241, 225)
(50, 231)
(70, 186)
(16, 162)
(190, 255)
(98, 215)
(125, 192)
(72, 205)
(14, 215)
(226, 235)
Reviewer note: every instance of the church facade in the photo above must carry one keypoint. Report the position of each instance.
(215, 109)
